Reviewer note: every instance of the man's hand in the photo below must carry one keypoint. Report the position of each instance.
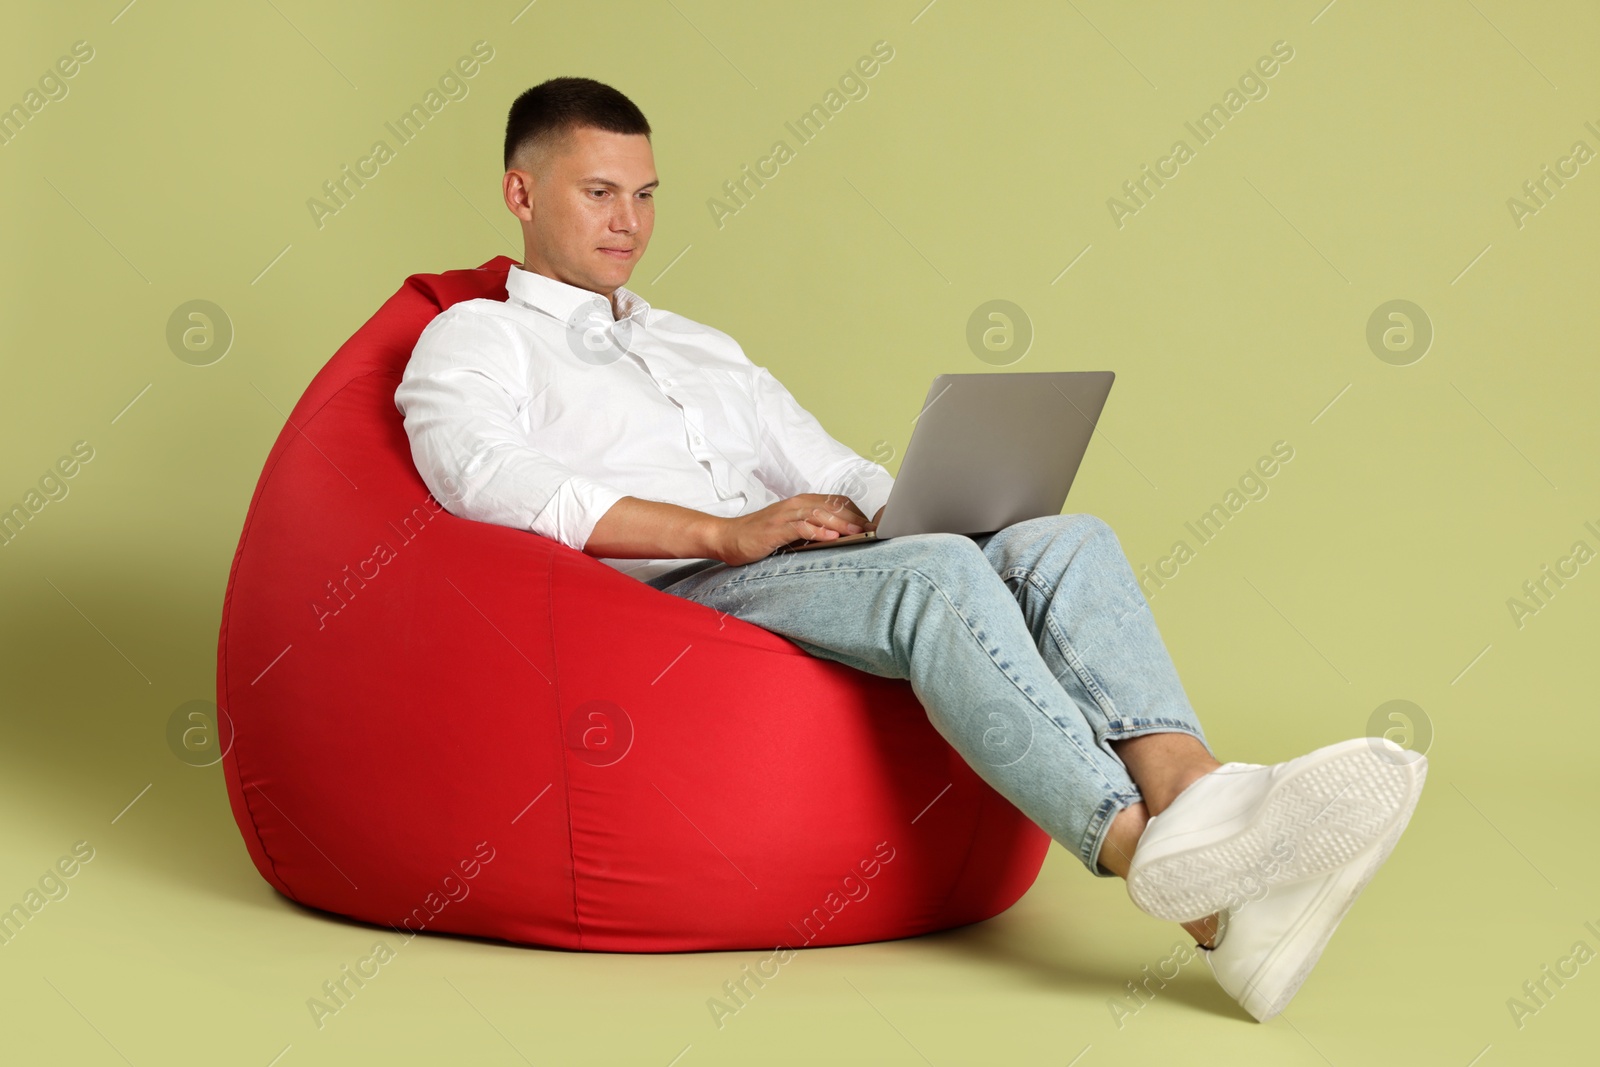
(807, 517)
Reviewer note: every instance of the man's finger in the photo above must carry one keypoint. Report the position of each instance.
(843, 515)
(848, 509)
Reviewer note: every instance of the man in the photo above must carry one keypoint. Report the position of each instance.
(575, 410)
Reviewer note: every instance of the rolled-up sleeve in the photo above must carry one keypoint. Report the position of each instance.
(461, 395)
(799, 456)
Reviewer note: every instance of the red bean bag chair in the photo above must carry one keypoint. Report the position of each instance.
(441, 724)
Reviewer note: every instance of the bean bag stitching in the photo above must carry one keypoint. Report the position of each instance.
(966, 858)
(244, 792)
(566, 779)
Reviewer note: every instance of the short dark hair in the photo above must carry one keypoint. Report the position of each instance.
(554, 108)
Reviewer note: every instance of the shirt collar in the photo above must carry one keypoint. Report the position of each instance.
(562, 301)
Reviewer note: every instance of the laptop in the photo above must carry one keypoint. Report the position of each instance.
(988, 451)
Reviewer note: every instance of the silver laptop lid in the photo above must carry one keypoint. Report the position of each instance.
(990, 450)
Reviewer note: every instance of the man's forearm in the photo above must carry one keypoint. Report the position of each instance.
(651, 529)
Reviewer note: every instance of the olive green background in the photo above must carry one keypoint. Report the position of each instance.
(1234, 307)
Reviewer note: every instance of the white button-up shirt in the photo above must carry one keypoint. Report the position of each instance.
(543, 410)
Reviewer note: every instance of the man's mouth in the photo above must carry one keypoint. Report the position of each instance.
(618, 253)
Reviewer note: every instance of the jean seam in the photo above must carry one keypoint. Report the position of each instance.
(1120, 726)
(1102, 699)
(808, 569)
(1116, 727)
(1141, 727)
(1065, 734)
(1094, 834)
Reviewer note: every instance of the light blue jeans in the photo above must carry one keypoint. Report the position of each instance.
(1031, 649)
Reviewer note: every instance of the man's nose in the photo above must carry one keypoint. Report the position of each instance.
(626, 217)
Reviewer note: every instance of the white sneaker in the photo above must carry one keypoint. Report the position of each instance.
(1266, 948)
(1244, 828)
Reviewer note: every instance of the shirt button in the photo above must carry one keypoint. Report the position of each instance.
(696, 440)
(668, 381)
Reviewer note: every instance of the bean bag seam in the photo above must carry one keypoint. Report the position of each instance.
(566, 779)
(966, 858)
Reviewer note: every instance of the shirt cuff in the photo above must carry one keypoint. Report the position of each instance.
(868, 485)
(574, 510)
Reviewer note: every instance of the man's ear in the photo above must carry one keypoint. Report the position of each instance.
(512, 179)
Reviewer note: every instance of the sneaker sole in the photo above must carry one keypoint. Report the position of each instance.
(1303, 948)
(1329, 812)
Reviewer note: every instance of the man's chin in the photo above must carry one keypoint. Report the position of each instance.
(613, 278)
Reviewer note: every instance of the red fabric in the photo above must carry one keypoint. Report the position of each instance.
(746, 795)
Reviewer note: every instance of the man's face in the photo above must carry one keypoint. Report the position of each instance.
(588, 209)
